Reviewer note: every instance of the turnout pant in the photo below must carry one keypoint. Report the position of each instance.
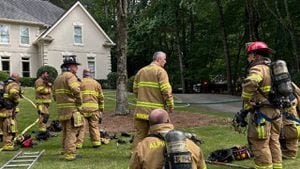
(263, 137)
(141, 130)
(43, 116)
(92, 122)
(69, 133)
(290, 136)
(9, 129)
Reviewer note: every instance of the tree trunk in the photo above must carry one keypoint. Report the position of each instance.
(252, 21)
(121, 94)
(178, 49)
(225, 46)
(292, 34)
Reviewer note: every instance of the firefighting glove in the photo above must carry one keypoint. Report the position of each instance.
(240, 117)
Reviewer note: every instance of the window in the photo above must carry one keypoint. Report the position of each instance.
(92, 66)
(24, 33)
(4, 34)
(77, 34)
(25, 67)
(5, 64)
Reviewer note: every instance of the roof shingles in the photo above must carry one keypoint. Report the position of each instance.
(39, 11)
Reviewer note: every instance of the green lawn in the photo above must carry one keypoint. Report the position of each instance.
(112, 156)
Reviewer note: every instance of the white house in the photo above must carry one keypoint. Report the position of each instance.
(36, 32)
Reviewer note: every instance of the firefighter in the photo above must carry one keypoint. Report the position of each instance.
(67, 95)
(152, 89)
(150, 154)
(265, 120)
(92, 108)
(43, 99)
(12, 95)
(291, 127)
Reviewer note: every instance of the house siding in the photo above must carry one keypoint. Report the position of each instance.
(93, 40)
(16, 51)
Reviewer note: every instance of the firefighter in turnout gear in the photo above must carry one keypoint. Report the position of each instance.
(291, 127)
(12, 95)
(152, 89)
(92, 108)
(265, 120)
(43, 93)
(150, 152)
(67, 96)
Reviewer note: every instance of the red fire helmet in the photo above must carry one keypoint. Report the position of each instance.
(258, 46)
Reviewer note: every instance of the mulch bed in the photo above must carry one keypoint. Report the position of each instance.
(114, 124)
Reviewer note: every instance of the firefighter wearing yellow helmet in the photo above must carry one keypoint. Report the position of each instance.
(152, 89)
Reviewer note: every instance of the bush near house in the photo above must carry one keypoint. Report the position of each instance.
(112, 80)
(3, 75)
(51, 70)
(130, 84)
(27, 81)
(104, 83)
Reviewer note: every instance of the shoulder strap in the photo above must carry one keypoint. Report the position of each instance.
(157, 135)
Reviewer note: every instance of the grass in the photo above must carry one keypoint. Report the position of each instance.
(112, 156)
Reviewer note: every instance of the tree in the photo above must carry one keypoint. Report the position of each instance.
(121, 94)
(286, 22)
(225, 46)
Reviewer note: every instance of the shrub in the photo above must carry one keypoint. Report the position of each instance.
(27, 81)
(51, 70)
(104, 83)
(3, 75)
(130, 84)
(112, 80)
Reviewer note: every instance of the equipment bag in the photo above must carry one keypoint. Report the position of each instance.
(230, 154)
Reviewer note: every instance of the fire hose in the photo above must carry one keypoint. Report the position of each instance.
(30, 126)
(228, 164)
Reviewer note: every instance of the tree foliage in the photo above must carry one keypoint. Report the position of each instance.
(190, 29)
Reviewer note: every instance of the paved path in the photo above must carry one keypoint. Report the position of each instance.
(212, 102)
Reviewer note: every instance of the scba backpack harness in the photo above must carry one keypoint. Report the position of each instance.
(176, 155)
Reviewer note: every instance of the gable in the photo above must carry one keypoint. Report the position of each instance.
(77, 14)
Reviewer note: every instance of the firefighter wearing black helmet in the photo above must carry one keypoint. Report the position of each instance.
(67, 95)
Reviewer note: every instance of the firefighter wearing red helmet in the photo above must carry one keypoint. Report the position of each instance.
(265, 120)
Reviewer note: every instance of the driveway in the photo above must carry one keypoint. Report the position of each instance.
(212, 102)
